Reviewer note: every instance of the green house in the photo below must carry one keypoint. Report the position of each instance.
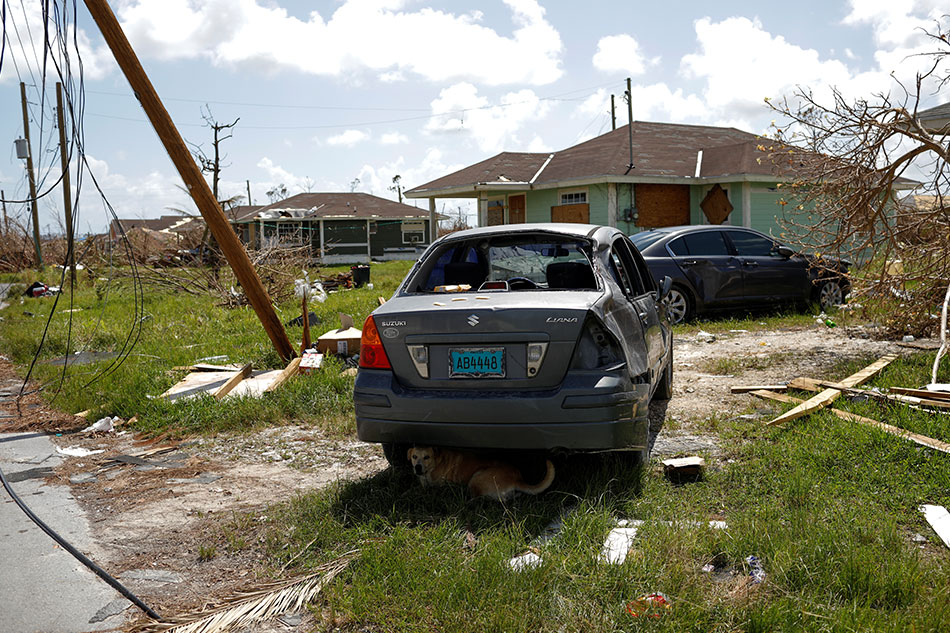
(635, 177)
(337, 227)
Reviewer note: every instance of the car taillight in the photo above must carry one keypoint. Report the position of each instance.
(372, 354)
(596, 347)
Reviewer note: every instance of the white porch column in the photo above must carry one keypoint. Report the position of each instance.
(747, 205)
(612, 210)
(322, 241)
(482, 211)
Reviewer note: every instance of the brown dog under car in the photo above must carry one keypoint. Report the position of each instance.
(484, 477)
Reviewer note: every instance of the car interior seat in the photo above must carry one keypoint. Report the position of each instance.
(470, 273)
(570, 276)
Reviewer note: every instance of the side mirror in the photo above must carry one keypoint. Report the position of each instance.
(665, 284)
(784, 251)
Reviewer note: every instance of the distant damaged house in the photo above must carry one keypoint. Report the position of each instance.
(172, 226)
(338, 227)
(637, 177)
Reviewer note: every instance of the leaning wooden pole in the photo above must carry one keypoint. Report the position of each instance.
(177, 150)
(67, 194)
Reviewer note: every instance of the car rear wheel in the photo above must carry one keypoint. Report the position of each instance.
(679, 305)
(397, 455)
(830, 294)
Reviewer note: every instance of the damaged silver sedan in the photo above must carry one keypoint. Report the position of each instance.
(546, 336)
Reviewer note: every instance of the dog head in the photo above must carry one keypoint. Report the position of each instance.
(422, 459)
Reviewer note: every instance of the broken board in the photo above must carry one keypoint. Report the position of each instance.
(826, 397)
(923, 440)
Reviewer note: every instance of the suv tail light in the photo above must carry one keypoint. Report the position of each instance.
(372, 354)
(596, 347)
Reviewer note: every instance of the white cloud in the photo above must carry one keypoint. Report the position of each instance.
(348, 138)
(896, 23)
(393, 138)
(621, 53)
(97, 61)
(490, 127)
(375, 35)
(651, 102)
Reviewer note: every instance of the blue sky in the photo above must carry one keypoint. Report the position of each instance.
(329, 92)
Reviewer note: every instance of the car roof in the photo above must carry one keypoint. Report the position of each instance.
(568, 229)
(697, 228)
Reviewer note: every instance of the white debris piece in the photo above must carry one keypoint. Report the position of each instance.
(527, 560)
(77, 451)
(939, 520)
(105, 425)
(618, 544)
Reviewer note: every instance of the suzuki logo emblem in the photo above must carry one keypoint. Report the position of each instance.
(472, 320)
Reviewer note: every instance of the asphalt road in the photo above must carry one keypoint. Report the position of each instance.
(43, 588)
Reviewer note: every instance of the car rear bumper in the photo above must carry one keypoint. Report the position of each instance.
(589, 411)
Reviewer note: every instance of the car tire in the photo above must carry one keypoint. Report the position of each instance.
(679, 305)
(396, 455)
(664, 388)
(829, 294)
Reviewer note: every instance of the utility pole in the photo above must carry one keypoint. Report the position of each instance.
(190, 173)
(67, 198)
(249, 201)
(29, 171)
(630, 122)
(6, 220)
(613, 114)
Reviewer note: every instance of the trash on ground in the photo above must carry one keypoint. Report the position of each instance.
(80, 358)
(213, 359)
(311, 361)
(311, 317)
(705, 337)
(78, 451)
(344, 341)
(618, 544)
(756, 571)
(230, 383)
(652, 605)
(939, 520)
(908, 338)
(103, 425)
(680, 468)
(528, 560)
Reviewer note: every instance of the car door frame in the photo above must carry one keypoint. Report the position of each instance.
(643, 301)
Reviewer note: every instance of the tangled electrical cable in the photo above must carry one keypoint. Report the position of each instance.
(59, 23)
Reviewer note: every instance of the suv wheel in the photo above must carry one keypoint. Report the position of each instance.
(679, 305)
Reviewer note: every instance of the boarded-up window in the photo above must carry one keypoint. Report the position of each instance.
(496, 213)
(516, 208)
(413, 231)
(572, 213)
(716, 205)
(661, 205)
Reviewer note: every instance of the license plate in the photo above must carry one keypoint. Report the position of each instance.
(486, 362)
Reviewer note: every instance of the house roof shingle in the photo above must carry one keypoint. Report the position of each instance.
(335, 205)
(163, 223)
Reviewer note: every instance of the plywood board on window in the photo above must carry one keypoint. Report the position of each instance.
(571, 213)
(496, 215)
(716, 205)
(661, 205)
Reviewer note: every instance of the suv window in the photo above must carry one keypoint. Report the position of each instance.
(702, 243)
(751, 245)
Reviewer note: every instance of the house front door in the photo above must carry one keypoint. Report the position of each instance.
(516, 209)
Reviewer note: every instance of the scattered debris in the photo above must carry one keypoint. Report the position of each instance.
(756, 571)
(312, 318)
(528, 560)
(80, 358)
(705, 337)
(652, 605)
(153, 575)
(939, 520)
(681, 469)
(310, 362)
(618, 544)
(748, 388)
(104, 425)
(77, 451)
(344, 342)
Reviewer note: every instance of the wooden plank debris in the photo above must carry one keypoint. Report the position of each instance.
(748, 388)
(923, 440)
(232, 382)
(922, 393)
(382, 300)
(826, 397)
(939, 520)
(677, 467)
(286, 374)
(889, 397)
(206, 367)
(804, 384)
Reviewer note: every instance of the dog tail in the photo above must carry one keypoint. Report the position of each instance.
(542, 485)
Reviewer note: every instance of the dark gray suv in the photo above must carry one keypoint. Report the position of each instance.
(532, 336)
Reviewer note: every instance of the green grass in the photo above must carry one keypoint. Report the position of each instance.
(178, 329)
(766, 320)
(829, 506)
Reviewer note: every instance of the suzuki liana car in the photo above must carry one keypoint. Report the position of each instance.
(529, 336)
